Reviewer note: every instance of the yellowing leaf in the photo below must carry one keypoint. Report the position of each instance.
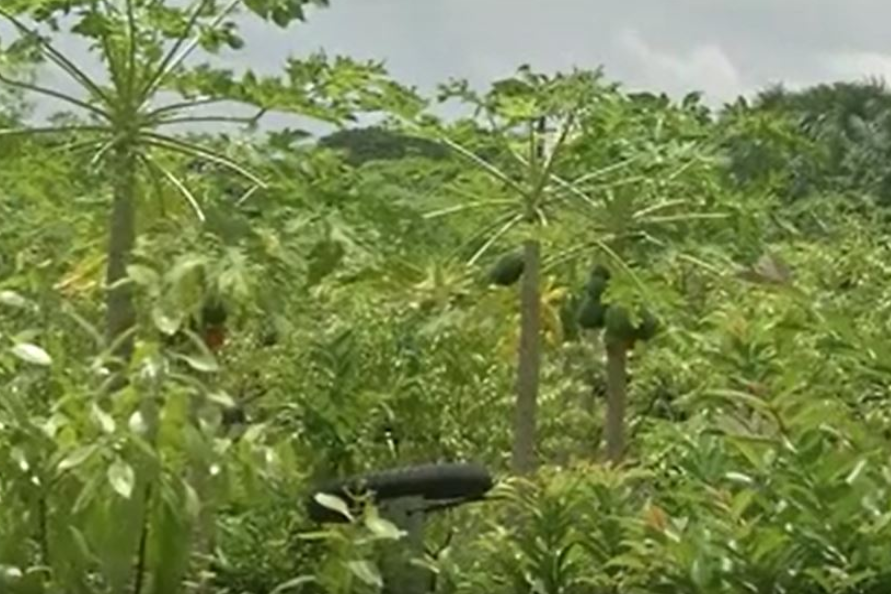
(84, 277)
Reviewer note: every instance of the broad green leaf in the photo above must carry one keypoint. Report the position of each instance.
(334, 504)
(383, 528)
(77, 457)
(13, 299)
(143, 275)
(193, 502)
(137, 423)
(367, 572)
(33, 354)
(204, 362)
(165, 321)
(122, 478)
(293, 583)
(105, 421)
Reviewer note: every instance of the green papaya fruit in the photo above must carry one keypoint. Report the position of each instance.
(618, 324)
(507, 270)
(592, 313)
(648, 327)
(601, 271)
(569, 318)
(596, 286)
(214, 313)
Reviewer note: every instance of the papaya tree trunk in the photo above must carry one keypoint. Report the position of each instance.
(617, 391)
(529, 361)
(120, 315)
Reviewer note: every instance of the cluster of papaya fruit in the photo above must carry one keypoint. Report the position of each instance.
(594, 314)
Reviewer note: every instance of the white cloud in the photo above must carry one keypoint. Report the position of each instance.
(705, 67)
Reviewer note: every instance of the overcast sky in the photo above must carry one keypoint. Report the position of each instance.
(721, 47)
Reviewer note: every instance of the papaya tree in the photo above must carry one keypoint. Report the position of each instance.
(533, 136)
(119, 124)
(122, 119)
(520, 112)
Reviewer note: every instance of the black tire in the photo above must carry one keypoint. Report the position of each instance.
(430, 481)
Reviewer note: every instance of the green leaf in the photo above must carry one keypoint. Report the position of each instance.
(193, 502)
(204, 363)
(382, 528)
(77, 457)
(367, 572)
(143, 275)
(164, 321)
(856, 472)
(137, 423)
(13, 299)
(293, 583)
(105, 421)
(122, 478)
(334, 504)
(33, 354)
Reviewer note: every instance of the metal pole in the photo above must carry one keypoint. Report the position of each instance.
(401, 576)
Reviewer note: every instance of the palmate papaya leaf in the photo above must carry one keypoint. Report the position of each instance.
(282, 12)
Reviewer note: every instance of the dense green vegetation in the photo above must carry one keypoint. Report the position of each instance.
(664, 328)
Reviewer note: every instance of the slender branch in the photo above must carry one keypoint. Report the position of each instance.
(574, 190)
(623, 265)
(497, 221)
(608, 169)
(58, 58)
(102, 151)
(50, 130)
(168, 58)
(76, 147)
(464, 207)
(495, 237)
(178, 184)
(485, 165)
(108, 52)
(244, 197)
(711, 216)
(200, 119)
(155, 114)
(55, 94)
(657, 207)
(618, 183)
(142, 552)
(131, 52)
(566, 255)
(185, 148)
(171, 65)
(552, 158)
